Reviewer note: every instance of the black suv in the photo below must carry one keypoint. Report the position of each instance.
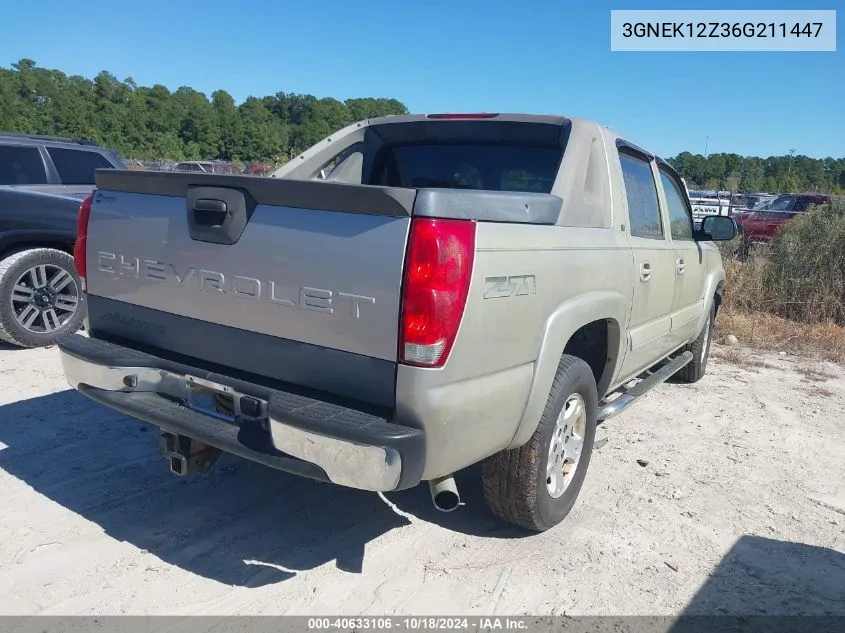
(42, 182)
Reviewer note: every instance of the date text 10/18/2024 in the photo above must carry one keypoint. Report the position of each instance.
(413, 623)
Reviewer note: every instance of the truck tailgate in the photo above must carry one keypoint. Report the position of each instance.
(237, 271)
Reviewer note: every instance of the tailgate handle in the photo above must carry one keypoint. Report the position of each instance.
(217, 214)
(210, 212)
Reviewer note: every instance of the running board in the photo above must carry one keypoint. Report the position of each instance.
(610, 409)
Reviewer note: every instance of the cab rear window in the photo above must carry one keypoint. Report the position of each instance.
(484, 166)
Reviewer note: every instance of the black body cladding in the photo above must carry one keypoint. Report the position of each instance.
(368, 380)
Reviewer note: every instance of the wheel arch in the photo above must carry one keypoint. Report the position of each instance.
(30, 242)
(714, 293)
(576, 326)
(719, 295)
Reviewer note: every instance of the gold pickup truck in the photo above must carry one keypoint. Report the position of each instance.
(411, 296)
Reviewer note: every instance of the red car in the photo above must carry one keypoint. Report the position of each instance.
(761, 225)
(256, 170)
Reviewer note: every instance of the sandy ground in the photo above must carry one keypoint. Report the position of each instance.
(739, 509)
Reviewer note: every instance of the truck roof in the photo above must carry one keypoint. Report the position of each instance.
(479, 116)
(42, 139)
(516, 117)
(577, 123)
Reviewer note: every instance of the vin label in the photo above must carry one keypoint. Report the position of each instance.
(723, 30)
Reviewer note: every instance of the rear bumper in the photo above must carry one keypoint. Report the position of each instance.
(296, 433)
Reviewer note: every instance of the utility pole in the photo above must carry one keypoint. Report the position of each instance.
(706, 141)
(789, 167)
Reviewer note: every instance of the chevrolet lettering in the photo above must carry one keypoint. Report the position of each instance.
(241, 286)
(465, 288)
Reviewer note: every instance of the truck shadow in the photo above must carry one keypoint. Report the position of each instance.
(767, 577)
(242, 524)
(768, 586)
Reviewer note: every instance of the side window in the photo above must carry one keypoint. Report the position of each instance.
(641, 191)
(680, 222)
(332, 169)
(784, 203)
(21, 166)
(76, 167)
(802, 204)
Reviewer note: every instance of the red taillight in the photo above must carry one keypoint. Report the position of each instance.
(471, 115)
(438, 269)
(82, 235)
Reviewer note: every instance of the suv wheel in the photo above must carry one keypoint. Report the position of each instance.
(694, 370)
(536, 485)
(41, 297)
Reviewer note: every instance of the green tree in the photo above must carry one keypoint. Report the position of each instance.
(731, 183)
(265, 136)
(198, 124)
(229, 125)
(168, 146)
(754, 176)
(360, 109)
(153, 122)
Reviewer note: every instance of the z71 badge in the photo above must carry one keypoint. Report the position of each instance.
(510, 286)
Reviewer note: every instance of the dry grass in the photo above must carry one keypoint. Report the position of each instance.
(814, 373)
(790, 295)
(739, 357)
(767, 331)
(823, 392)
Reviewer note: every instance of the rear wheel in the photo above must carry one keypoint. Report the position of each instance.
(535, 486)
(41, 297)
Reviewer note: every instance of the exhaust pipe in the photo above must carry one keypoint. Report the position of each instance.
(444, 493)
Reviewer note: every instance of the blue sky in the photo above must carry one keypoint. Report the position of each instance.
(542, 56)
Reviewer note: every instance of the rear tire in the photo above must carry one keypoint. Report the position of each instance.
(530, 486)
(41, 298)
(694, 370)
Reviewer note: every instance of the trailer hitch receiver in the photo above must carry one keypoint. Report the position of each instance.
(187, 455)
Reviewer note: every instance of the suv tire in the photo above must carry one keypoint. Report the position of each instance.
(694, 370)
(536, 485)
(41, 298)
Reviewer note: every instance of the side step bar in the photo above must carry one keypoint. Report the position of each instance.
(610, 409)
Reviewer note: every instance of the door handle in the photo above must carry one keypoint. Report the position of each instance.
(210, 212)
(645, 271)
(680, 266)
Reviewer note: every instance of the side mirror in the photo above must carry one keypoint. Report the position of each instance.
(716, 228)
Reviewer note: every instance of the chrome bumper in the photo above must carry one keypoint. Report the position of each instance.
(348, 463)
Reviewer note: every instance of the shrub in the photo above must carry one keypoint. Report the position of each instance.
(804, 278)
(790, 295)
